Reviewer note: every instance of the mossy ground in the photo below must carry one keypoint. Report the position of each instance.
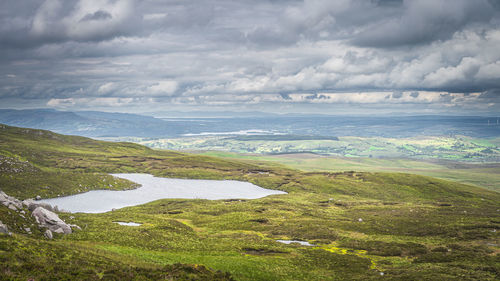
(485, 175)
(411, 228)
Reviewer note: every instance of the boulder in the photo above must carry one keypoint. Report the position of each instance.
(59, 230)
(10, 202)
(28, 202)
(32, 205)
(50, 220)
(3, 228)
(75, 226)
(42, 212)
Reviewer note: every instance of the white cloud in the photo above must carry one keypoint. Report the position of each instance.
(166, 88)
(89, 102)
(106, 88)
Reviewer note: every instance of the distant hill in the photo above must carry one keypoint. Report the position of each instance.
(97, 124)
(89, 123)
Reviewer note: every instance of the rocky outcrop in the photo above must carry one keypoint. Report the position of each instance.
(50, 220)
(3, 229)
(42, 212)
(32, 205)
(14, 165)
(10, 202)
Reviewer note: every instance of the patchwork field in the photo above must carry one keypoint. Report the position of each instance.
(458, 148)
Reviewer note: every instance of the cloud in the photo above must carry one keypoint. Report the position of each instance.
(163, 88)
(106, 88)
(251, 52)
(99, 16)
(423, 21)
(57, 21)
(89, 102)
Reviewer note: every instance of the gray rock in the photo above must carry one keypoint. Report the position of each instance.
(59, 230)
(50, 220)
(44, 216)
(38, 197)
(32, 205)
(41, 211)
(3, 228)
(10, 202)
(75, 226)
(48, 234)
(27, 203)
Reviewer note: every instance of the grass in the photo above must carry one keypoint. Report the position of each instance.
(461, 148)
(485, 175)
(24, 258)
(362, 223)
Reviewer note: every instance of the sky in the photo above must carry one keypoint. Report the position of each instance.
(282, 56)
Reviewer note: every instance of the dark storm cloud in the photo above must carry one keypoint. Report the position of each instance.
(37, 23)
(397, 95)
(250, 52)
(99, 15)
(490, 96)
(420, 22)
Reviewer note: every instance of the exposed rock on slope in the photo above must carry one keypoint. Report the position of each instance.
(10, 202)
(3, 228)
(50, 220)
(43, 214)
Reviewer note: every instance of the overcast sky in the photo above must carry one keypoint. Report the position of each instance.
(334, 57)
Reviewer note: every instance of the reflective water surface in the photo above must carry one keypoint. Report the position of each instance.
(154, 188)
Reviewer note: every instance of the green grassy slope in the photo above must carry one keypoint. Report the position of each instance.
(485, 175)
(38, 162)
(362, 224)
(457, 148)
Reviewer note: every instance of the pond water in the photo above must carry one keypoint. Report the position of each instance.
(128, 223)
(154, 188)
(303, 243)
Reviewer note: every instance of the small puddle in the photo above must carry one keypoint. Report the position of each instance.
(303, 243)
(128, 223)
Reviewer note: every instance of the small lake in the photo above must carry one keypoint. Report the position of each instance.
(154, 188)
(303, 243)
(128, 223)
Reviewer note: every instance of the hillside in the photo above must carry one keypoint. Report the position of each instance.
(485, 175)
(363, 225)
(89, 123)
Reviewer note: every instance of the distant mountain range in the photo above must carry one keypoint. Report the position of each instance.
(97, 124)
(89, 123)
